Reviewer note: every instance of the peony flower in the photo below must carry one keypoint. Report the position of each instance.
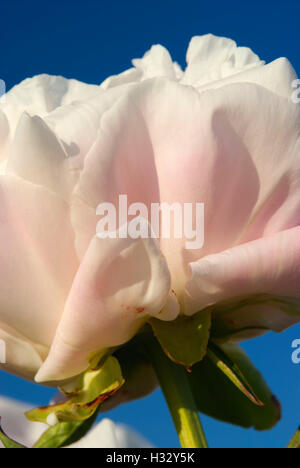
(224, 133)
(106, 434)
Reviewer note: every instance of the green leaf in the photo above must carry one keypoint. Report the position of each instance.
(217, 397)
(232, 371)
(86, 393)
(185, 339)
(295, 442)
(8, 442)
(64, 434)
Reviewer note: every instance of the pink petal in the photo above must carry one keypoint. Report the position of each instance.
(37, 258)
(181, 146)
(120, 282)
(267, 266)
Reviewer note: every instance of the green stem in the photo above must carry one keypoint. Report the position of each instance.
(174, 382)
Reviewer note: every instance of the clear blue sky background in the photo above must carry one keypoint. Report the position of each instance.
(90, 40)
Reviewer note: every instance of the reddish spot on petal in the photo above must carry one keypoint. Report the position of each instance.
(140, 310)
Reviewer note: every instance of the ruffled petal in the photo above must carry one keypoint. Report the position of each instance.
(264, 273)
(120, 283)
(161, 130)
(133, 75)
(41, 95)
(157, 62)
(50, 151)
(211, 58)
(276, 77)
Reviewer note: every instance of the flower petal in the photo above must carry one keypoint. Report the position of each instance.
(37, 155)
(267, 266)
(119, 284)
(37, 258)
(214, 62)
(50, 151)
(132, 75)
(161, 130)
(211, 58)
(156, 62)
(187, 135)
(276, 76)
(41, 95)
(76, 125)
(23, 357)
(210, 50)
(4, 132)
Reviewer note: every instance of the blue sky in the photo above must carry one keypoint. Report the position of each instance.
(90, 40)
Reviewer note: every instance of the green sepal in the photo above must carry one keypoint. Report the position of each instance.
(217, 397)
(8, 442)
(185, 339)
(94, 382)
(295, 442)
(84, 394)
(67, 411)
